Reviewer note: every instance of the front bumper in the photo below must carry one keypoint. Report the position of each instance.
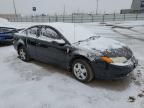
(104, 70)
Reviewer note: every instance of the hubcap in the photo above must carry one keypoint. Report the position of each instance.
(80, 71)
(22, 54)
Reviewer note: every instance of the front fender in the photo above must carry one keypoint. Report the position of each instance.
(86, 54)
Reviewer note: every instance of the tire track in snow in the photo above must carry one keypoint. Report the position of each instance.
(127, 35)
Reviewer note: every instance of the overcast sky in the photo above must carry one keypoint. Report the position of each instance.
(57, 6)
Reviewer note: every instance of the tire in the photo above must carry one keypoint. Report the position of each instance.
(82, 71)
(23, 55)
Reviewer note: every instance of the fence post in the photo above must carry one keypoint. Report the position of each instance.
(114, 17)
(49, 19)
(63, 17)
(81, 18)
(72, 18)
(56, 20)
(11, 19)
(103, 18)
(21, 19)
(16, 19)
(32, 18)
(124, 17)
(92, 18)
(136, 16)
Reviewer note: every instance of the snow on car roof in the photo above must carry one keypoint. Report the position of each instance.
(72, 32)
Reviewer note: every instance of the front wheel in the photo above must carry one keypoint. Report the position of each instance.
(82, 71)
(23, 54)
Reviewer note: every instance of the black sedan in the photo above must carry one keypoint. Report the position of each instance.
(93, 57)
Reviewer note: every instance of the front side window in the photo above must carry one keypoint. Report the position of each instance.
(49, 35)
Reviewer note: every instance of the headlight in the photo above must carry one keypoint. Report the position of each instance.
(119, 59)
(107, 59)
(114, 59)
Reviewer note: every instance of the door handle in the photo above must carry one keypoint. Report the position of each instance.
(42, 45)
(38, 43)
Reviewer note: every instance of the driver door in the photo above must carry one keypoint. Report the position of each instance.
(31, 40)
(51, 47)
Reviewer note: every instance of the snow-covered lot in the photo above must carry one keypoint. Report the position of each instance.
(38, 85)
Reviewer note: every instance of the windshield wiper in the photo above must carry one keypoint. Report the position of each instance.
(93, 37)
(90, 38)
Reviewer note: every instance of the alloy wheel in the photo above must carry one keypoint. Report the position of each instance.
(80, 71)
(22, 54)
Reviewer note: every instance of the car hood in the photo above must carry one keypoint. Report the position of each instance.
(105, 46)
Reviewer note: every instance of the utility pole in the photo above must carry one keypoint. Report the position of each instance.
(97, 6)
(14, 6)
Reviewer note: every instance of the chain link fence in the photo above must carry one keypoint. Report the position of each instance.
(79, 18)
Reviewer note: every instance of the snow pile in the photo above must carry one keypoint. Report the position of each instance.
(2, 20)
(5, 23)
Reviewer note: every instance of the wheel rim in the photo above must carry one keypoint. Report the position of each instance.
(80, 71)
(22, 54)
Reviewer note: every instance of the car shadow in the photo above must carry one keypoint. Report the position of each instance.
(51, 67)
(114, 85)
(48, 69)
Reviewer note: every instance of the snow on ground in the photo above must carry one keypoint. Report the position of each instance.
(2, 20)
(38, 85)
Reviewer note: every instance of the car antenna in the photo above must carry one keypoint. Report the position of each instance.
(74, 31)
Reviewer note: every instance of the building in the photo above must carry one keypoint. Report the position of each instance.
(136, 7)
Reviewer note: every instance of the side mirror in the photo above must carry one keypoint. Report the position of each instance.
(68, 46)
(59, 42)
(54, 42)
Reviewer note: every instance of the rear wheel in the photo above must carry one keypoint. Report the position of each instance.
(82, 70)
(23, 54)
